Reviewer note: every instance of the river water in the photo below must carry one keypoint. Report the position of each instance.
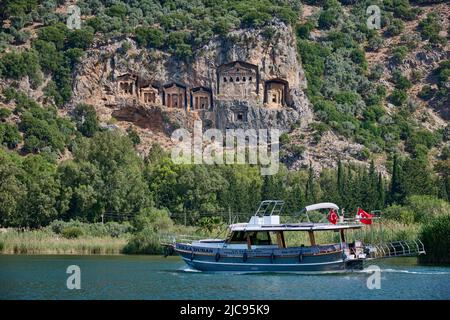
(152, 277)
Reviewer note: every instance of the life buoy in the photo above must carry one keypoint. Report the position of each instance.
(244, 257)
(217, 257)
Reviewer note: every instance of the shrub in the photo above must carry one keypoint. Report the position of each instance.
(117, 10)
(399, 54)
(401, 82)
(399, 213)
(436, 239)
(12, 65)
(375, 43)
(81, 38)
(303, 30)
(430, 27)
(328, 19)
(134, 136)
(144, 242)
(426, 93)
(71, 232)
(57, 226)
(395, 28)
(153, 219)
(86, 120)
(443, 73)
(148, 37)
(297, 150)
(285, 139)
(115, 229)
(4, 113)
(418, 209)
(427, 208)
(398, 97)
(364, 154)
(9, 135)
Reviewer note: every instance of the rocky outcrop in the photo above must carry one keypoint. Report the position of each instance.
(274, 55)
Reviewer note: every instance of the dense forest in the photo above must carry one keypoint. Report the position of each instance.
(106, 175)
(58, 166)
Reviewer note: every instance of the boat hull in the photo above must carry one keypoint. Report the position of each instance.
(292, 260)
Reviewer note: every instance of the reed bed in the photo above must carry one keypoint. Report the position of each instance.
(45, 242)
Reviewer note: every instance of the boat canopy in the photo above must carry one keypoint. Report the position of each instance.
(323, 205)
(303, 226)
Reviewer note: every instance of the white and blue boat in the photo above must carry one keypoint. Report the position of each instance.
(260, 245)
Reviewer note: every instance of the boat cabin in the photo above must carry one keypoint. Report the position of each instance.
(264, 229)
(257, 238)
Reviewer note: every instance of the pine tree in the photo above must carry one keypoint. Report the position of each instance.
(397, 192)
(380, 192)
(372, 196)
(443, 190)
(347, 187)
(340, 181)
(310, 194)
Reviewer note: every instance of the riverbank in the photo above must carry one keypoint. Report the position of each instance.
(94, 240)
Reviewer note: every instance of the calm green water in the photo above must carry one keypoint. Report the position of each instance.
(149, 277)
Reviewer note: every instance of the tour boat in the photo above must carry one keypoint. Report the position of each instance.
(260, 245)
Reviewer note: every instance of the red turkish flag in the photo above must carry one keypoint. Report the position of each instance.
(332, 216)
(364, 217)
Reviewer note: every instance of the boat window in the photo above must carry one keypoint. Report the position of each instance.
(260, 238)
(238, 237)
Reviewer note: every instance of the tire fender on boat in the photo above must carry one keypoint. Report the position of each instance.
(272, 257)
(217, 257)
(168, 251)
(244, 257)
(192, 255)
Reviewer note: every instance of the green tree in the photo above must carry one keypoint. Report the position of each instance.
(86, 119)
(81, 187)
(9, 135)
(12, 189)
(310, 190)
(40, 203)
(133, 136)
(397, 192)
(123, 189)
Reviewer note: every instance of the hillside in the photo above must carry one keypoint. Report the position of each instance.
(367, 102)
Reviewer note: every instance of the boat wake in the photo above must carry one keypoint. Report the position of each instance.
(407, 271)
(188, 269)
(313, 273)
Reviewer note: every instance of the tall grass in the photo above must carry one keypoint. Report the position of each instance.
(45, 242)
(147, 241)
(436, 238)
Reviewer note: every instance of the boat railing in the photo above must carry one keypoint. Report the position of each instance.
(170, 239)
(402, 248)
(269, 208)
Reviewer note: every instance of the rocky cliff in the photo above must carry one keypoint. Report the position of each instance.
(272, 56)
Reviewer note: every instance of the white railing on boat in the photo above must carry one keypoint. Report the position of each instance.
(169, 239)
(398, 249)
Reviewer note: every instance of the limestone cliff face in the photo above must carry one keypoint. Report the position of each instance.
(247, 80)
